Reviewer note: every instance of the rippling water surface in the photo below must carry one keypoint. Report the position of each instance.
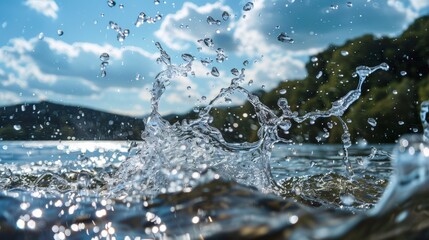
(55, 190)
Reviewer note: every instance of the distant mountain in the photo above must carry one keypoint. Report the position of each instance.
(51, 121)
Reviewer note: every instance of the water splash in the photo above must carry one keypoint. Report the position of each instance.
(172, 155)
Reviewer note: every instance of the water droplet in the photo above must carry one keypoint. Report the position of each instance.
(188, 88)
(208, 42)
(344, 53)
(235, 72)
(225, 16)
(126, 32)
(103, 73)
(403, 73)
(334, 7)
(121, 6)
(211, 21)
(60, 32)
(113, 25)
(245, 63)
(103, 65)
(349, 4)
(314, 59)
(401, 122)
(137, 77)
(206, 61)
(111, 3)
(104, 57)
(319, 74)
(187, 57)
(220, 55)
(215, 72)
(347, 200)
(372, 122)
(250, 83)
(228, 100)
(282, 91)
(283, 37)
(248, 6)
(41, 36)
(17, 127)
(158, 17)
(203, 98)
(120, 37)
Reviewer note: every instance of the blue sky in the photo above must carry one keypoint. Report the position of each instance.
(66, 69)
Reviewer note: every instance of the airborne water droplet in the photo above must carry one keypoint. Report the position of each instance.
(319, 74)
(344, 53)
(225, 15)
(121, 6)
(41, 36)
(349, 4)
(283, 37)
(282, 91)
(156, 2)
(103, 73)
(60, 32)
(120, 37)
(245, 63)
(235, 72)
(372, 122)
(187, 57)
(248, 6)
(126, 32)
(334, 7)
(403, 73)
(208, 42)
(314, 59)
(215, 72)
(111, 3)
(228, 100)
(211, 20)
(104, 57)
(347, 200)
(17, 127)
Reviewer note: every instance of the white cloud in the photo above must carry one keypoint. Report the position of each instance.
(410, 13)
(419, 4)
(181, 30)
(54, 70)
(9, 97)
(49, 8)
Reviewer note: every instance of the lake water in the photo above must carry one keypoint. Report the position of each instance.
(54, 190)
